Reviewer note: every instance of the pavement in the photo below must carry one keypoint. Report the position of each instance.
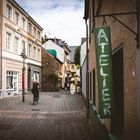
(57, 116)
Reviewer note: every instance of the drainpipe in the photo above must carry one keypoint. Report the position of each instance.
(138, 67)
(1, 20)
(87, 77)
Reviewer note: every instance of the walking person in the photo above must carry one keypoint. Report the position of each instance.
(35, 92)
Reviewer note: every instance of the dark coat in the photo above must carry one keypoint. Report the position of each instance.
(35, 89)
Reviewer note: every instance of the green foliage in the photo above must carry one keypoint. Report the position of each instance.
(78, 66)
(77, 55)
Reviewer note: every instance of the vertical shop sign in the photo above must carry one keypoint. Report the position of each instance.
(104, 70)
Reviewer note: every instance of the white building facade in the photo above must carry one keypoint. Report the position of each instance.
(60, 51)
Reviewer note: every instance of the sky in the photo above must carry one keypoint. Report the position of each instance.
(62, 19)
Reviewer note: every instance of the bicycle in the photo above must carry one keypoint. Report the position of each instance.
(35, 100)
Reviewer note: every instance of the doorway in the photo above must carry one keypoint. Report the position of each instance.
(117, 121)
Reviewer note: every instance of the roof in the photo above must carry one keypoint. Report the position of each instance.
(52, 52)
(66, 46)
(52, 42)
(59, 42)
(83, 40)
(53, 57)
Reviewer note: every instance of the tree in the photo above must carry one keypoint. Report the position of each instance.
(77, 55)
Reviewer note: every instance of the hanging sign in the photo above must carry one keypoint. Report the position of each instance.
(104, 70)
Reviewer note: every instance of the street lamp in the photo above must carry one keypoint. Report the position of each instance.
(23, 55)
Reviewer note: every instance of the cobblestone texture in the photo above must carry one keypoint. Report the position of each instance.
(57, 116)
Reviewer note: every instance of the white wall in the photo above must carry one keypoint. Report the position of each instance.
(84, 85)
(82, 53)
(51, 45)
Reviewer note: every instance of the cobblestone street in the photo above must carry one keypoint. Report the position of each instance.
(57, 116)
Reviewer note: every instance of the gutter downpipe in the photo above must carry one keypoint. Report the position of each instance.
(138, 67)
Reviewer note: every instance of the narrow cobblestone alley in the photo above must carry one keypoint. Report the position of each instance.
(57, 116)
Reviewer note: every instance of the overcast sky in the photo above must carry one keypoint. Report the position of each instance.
(62, 19)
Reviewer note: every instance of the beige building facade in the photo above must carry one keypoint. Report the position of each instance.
(20, 33)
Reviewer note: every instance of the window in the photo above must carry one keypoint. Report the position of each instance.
(38, 54)
(8, 11)
(23, 45)
(9, 80)
(34, 32)
(30, 28)
(36, 76)
(30, 50)
(8, 40)
(16, 18)
(16, 45)
(38, 35)
(23, 23)
(34, 53)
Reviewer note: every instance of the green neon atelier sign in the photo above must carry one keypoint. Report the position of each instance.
(104, 70)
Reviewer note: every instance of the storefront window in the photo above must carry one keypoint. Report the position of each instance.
(12, 81)
(9, 82)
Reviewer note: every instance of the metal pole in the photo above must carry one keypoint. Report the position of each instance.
(23, 55)
(23, 80)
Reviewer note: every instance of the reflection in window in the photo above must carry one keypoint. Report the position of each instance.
(9, 80)
(23, 46)
(34, 32)
(8, 40)
(34, 53)
(30, 28)
(8, 12)
(30, 50)
(36, 76)
(16, 18)
(38, 35)
(16, 45)
(38, 54)
(23, 23)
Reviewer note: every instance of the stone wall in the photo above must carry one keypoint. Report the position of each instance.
(50, 68)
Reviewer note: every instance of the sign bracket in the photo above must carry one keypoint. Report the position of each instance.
(113, 15)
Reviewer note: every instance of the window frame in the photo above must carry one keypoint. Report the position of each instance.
(16, 18)
(34, 31)
(16, 44)
(23, 23)
(8, 40)
(23, 46)
(8, 11)
(30, 28)
(38, 35)
(30, 50)
(39, 53)
(34, 53)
